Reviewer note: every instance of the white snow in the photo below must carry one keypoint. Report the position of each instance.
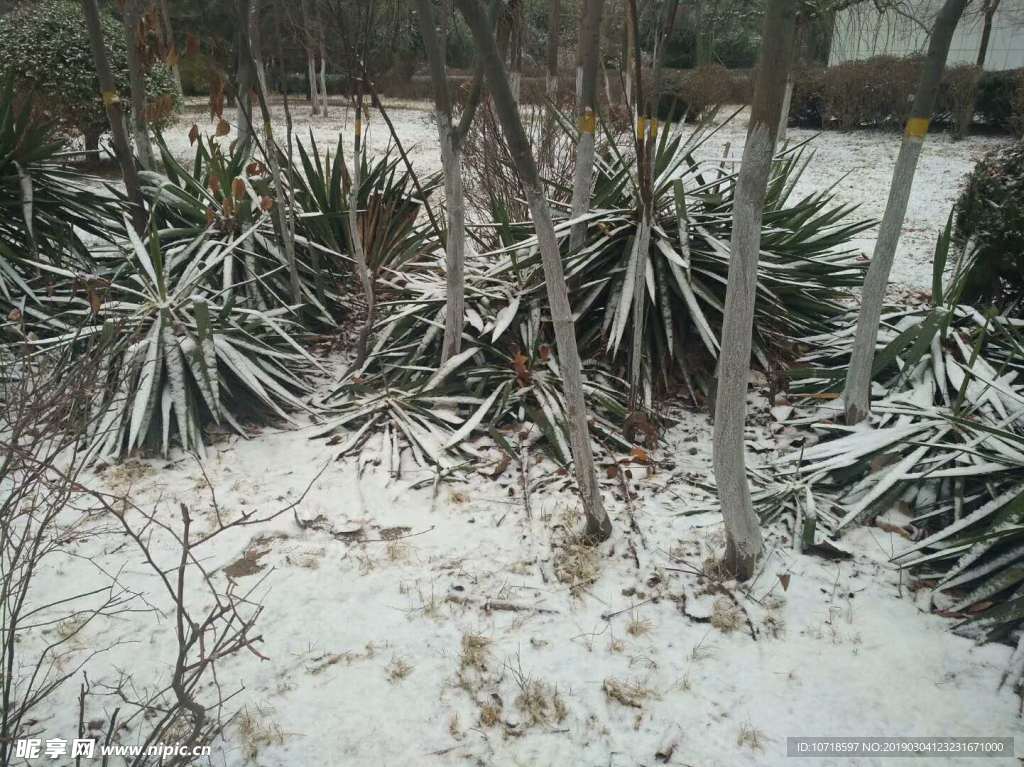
(364, 639)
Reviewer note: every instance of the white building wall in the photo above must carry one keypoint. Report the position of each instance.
(862, 32)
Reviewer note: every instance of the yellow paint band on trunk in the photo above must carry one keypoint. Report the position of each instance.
(654, 128)
(586, 122)
(917, 127)
(641, 127)
(110, 98)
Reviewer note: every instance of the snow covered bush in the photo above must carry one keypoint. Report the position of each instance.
(45, 48)
(943, 462)
(225, 193)
(990, 224)
(182, 355)
(806, 263)
(46, 214)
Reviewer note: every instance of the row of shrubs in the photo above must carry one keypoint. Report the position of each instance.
(873, 93)
(877, 92)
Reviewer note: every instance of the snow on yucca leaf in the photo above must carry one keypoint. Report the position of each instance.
(506, 378)
(390, 201)
(181, 356)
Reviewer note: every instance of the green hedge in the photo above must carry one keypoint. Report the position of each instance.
(877, 93)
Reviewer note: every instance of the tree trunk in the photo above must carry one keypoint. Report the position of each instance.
(743, 533)
(323, 75)
(246, 75)
(989, 9)
(554, 39)
(170, 45)
(599, 526)
(137, 84)
(787, 101)
(455, 242)
(314, 93)
(516, 48)
(115, 114)
(668, 23)
(642, 242)
(283, 221)
(857, 392)
(586, 118)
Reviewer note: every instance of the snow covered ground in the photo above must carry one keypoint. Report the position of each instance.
(446, 625)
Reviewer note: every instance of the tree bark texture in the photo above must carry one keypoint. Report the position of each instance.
(743, 532)
(598, 524)
(857, 391)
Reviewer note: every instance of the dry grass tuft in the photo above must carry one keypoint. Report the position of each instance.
(538, 700)
(397, 551)
(256, 733)
(751, 737)
(490, 715)
(726, 616)
(398, 670)
(577, 565)
(638, 626)
(628, 693)
(475, 652)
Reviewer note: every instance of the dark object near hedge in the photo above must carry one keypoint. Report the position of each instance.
(990, 223)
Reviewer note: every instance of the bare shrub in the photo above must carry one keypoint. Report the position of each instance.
(492, 184)
(706, 88)
(873, 92)
(44, 403)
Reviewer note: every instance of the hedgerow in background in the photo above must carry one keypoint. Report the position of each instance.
(44, 46)
(45, 211)
(876, 92)
(990, 225)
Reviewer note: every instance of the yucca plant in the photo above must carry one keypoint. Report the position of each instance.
(184, 356)
(806, 265)
(505, 377)
(47, 212)
(224, 193)
(945, 446)
(391, 200)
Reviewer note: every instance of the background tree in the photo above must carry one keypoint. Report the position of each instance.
(450, 137)
(115, 113)
(586, 116)
(135, 12)
(743, 532)
(857, 392)
(45, 48)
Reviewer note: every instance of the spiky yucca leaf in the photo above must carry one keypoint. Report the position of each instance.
(390, 202)
(945, 442)
(506, 378)
(225, 193)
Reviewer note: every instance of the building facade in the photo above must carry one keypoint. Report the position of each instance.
(863, 31)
